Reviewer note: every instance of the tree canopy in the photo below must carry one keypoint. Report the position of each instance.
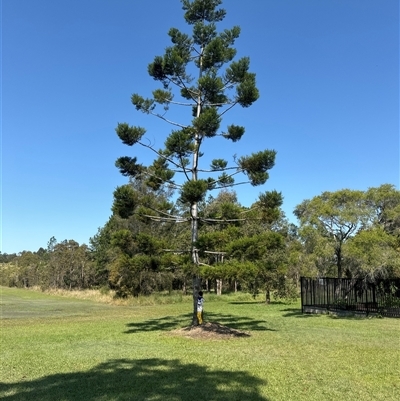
(357, 231)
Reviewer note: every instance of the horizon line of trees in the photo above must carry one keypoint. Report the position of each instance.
(345, 233)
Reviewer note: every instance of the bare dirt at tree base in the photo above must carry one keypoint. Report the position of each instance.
(209, 330)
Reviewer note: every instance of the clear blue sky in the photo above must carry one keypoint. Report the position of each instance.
(328, 74)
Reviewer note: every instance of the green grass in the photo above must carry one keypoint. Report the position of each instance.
(55, 348)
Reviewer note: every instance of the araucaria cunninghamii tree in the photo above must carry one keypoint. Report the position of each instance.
(199, 74)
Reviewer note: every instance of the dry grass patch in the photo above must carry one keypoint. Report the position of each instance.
(87, 294)
(107, 296)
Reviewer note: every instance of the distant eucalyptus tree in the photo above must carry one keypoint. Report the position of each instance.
(336, 217)
(357, 231)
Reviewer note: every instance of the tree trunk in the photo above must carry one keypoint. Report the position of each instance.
(268, 296)
(219, 286)
(193, 208)
(195, 260)
(196, 289)
(339, 262)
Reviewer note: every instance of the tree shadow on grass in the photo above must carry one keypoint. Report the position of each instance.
(258, 303)
(296, 312)
(238, 322)
(139, 380)
(168, 323)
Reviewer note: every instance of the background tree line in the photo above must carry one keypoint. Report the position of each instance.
(346, 233)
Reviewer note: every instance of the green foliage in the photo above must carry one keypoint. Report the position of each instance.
(372, 254)
(214, 272)
(342, 210)
(101, 250)
(270, 200)
(218, 164)
(162, 97)
(353, 230)
(125, 201)
(147, 244)
(212, 86)
(128, 167)
(129, 135)
(230, 211)
(142, 274)
(234, 133)
(384, 202)
(207, 123)
(6, 258)
(225, 180)
(142, 104)
(247, 93)
(270, 203)
(257, 165)
(159, 173)
(179, 143)
(193, 191)
(124, 241)
(216, 240)
(63, 265)
(197, 11)
(336, 216)
(237, 70)
(390, 300)
(255, 247)
(247, 273)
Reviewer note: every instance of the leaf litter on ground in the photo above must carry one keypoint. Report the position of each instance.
(210, 330)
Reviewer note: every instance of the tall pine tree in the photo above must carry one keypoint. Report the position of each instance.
(199, 71)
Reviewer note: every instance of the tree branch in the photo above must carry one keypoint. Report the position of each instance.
(168, 121)
(223, 221)
(228, 108)
(156, 218)
(159, 154)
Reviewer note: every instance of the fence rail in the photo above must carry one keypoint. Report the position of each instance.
(355, 295)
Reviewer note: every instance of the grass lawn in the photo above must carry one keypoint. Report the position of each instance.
(57, 348)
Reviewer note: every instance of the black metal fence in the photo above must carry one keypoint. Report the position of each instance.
(353, 295)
